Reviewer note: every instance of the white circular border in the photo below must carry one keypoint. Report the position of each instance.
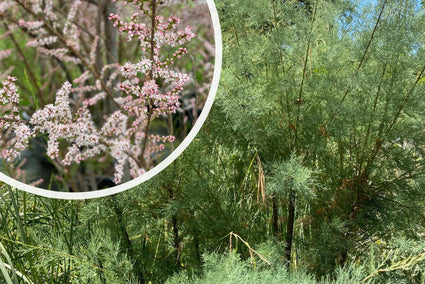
(167, 161)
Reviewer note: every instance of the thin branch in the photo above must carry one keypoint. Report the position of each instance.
(371, 120)
(14, 120)
(149, 77)
(362, 60)
(406, 98)
(251, 250)
(400, 108)
(29, 70)
(304, 75)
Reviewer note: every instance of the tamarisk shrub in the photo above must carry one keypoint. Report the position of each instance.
(94, 116)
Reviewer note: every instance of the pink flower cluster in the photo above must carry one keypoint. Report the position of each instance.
(4, 5)
(44, 41)
(11, 125)
(150, 70)
(9, 92)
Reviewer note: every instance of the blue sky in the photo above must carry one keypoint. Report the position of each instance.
(367, 2)
(374, 2)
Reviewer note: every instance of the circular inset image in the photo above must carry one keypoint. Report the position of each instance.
(98, 96)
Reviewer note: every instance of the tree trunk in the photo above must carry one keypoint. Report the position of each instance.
(175, 231)
(275, 225)
(290, 226)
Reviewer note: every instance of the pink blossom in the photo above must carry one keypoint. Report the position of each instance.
(71, 16)
(58, 53)
(42, 41)
(4, 5)
(30, 25)
(9, 91)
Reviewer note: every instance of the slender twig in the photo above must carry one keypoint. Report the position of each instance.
(195, 114)
(375, 102)
(29, 70)
(300, 93)
(149, 77)
(251, 250)
(362, 60)
(400, 108)
(406, 98)
(15, 120)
